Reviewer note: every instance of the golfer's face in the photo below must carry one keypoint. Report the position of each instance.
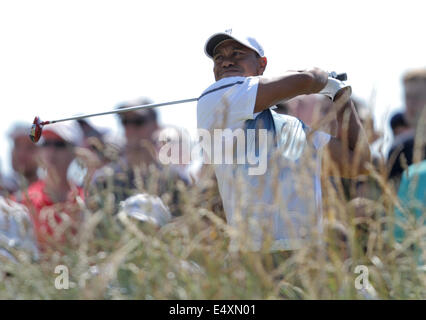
(232, 59)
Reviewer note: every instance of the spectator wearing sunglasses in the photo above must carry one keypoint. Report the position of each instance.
(139, 128)
(52, 200)
(138, 157)
(138, 169)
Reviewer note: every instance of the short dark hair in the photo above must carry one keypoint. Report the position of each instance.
(398, 120)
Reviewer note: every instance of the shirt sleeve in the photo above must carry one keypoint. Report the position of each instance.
(228, 103)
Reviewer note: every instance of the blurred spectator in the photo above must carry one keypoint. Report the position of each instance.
(89, 131)
(52, 201)
(139, 127)
(412, 195)
(401, 153)
(24, 159)
(415, 95)
(94, 153)
(16, 231)
(317, 111)
(138, 169)
(366, 117)
(311, 109)
(399, 125)
(176, 144)
(404, 127)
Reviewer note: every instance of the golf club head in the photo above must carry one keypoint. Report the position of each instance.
(339, 76)
(342, 76)
(36, 130)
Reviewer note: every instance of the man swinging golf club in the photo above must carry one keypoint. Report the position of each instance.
(281, 208)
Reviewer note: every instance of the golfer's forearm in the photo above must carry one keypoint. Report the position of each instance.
(273, 90)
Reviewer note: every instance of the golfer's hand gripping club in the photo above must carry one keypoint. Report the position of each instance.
(335, 84)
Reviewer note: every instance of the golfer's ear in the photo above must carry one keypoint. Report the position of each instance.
(262, 64)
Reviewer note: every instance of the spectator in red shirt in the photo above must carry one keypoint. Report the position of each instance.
(52, 200)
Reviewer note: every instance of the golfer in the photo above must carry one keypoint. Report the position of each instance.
(280, 208)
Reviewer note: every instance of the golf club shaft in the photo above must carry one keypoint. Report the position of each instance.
(152, 105)
(341, 76)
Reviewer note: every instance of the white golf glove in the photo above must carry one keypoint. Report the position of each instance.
(333, 86)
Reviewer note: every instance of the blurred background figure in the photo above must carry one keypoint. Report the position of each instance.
(311, 109)
(408, 160)
(94, 152)
(132, 171)
(24, 159)
(52, 200)
(16, 232)
(415, 95)
(412, 196)
(138, 155)
(366, 117)
(139, 128)
(401, 154)
(399, 126)
(175, 144)
(138, 168)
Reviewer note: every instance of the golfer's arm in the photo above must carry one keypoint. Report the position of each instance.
(273, 90)
(349, 150)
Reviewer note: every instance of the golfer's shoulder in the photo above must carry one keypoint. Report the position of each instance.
(226, 86)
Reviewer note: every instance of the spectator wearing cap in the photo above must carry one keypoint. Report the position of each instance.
(52, 201)
(24, 159)
(401, 154)
(139, 128)
(131, 171)
(139, 169)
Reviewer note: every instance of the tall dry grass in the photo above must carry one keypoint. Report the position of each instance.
(114, 257)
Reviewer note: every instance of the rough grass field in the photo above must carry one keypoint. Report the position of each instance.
(114, 257)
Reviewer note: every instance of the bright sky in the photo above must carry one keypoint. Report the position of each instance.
(61, 58)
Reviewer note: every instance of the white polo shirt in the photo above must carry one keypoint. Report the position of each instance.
(280, 208)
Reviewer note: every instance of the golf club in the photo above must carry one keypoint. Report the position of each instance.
(37, 126)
